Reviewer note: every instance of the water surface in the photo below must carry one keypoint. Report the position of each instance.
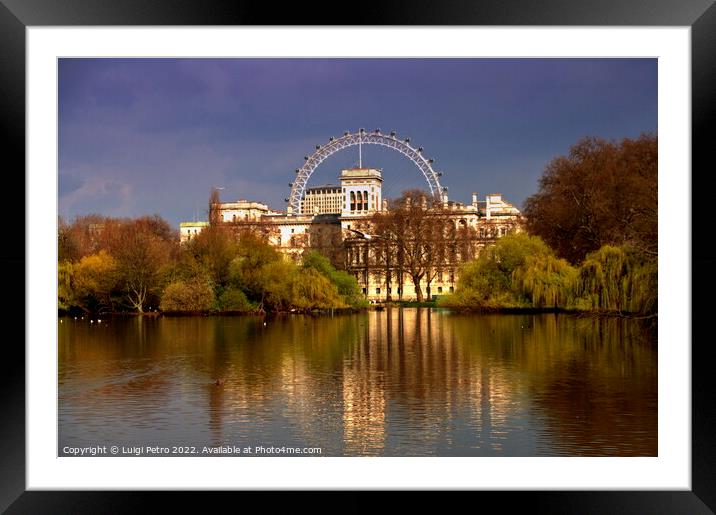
(401, 382)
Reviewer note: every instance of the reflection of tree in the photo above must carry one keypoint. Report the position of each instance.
(356, 382)
(593, 398)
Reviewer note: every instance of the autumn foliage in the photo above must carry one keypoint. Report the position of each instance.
(601, 193)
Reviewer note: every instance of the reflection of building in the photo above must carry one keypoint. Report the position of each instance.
(336, 220)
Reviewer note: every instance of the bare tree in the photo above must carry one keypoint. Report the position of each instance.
(413, 235)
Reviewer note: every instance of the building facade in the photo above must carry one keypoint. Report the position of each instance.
(322, 200)
(344, 223)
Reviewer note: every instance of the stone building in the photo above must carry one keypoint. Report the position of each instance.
(338, 222)
(322, 199)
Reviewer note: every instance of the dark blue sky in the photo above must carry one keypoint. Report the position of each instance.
(145, 136)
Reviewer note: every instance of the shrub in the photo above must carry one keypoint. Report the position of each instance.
(234, 300)
(181, 296)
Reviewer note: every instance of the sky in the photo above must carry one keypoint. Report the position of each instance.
(154, 136)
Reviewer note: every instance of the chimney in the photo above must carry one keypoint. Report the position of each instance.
(487, 207)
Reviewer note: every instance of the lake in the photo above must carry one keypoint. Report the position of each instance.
(398, 382)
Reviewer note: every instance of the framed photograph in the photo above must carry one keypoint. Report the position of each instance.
(354, 194)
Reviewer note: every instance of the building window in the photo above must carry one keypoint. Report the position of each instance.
(389, 290)
(292, 230)
(364, 291)
(440, 277)
(452, 289)
(440, 289)
(377, 291)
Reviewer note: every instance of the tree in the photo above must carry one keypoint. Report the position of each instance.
(181, 296)
(245, 270)
(618, 279)
(214, 211)
(413, 237)
(312, 290)
(94, 282)
(546, 281)
(601, 193)
(213, 249)
(80, 238)
(344, 283)
(141, 250)
(511, 273)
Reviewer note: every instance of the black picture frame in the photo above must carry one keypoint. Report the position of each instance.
(700, 15)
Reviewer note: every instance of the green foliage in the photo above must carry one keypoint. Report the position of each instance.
(617, 279)
(275, 283)
(545, 281)
(234, 300)
(246, 269)
(212, 250)
(344, 283)
(181, 296)
(311, 290)
(520, 271)
(65, 291)
(487, 282)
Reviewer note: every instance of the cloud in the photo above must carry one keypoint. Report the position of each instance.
(95, 194)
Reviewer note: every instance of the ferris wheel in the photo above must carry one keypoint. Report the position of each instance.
(359, 139)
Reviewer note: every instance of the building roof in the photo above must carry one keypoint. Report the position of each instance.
(324, 187)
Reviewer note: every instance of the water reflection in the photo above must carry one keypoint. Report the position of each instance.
(401, 382)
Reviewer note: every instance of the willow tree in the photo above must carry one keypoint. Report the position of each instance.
(546, 281)
(618, 279)
(506, 275)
